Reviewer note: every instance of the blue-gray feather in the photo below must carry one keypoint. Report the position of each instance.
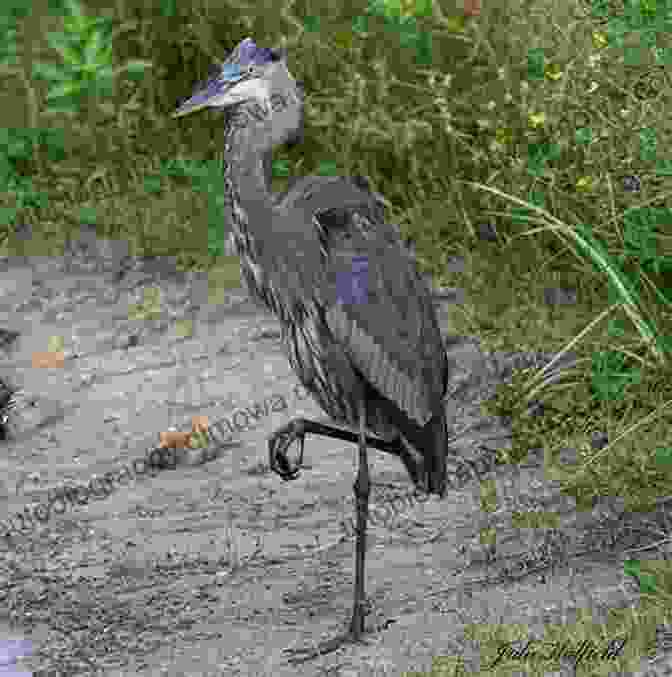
(295, 250)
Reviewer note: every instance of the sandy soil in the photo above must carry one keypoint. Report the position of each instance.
(215, 567)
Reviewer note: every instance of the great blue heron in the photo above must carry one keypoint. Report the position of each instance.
(372, 357)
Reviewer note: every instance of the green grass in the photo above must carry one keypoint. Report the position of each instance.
(529, 119)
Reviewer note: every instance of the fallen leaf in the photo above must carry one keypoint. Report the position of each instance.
(472, 7)
(199, 424)
(184, 328)
(174, 440)
(55, 344)
(198, 440)
(48, 360)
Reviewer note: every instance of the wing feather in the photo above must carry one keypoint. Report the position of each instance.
(394, 338)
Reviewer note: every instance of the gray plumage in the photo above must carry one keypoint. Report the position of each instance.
(377, 366)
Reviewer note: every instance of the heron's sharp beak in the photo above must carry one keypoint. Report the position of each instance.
(189, 106)
(205, 98)
(218, 92)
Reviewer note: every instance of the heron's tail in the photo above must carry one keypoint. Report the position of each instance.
(424, 452)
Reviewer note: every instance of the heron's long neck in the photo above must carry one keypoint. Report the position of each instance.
(248, 201)
(249, 213)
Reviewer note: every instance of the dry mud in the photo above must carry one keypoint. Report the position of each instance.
(216, 566)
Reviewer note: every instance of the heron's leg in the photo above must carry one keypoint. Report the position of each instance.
(280, 441)
(362, 489)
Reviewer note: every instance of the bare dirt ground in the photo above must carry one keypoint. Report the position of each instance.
(215, 567)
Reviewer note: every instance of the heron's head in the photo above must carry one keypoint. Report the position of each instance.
(256, 90)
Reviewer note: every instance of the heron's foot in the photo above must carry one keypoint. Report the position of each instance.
(278, 444)
(333, 644)
(323, 648)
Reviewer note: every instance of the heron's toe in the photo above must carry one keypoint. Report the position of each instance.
(278, 445)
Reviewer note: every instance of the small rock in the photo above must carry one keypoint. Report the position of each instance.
(7, 338)
(487, 232)
(560, 296)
